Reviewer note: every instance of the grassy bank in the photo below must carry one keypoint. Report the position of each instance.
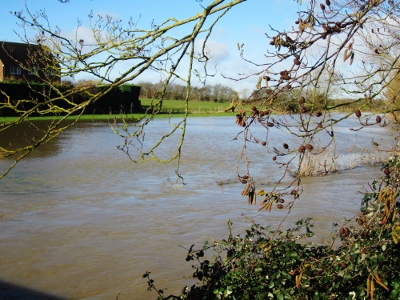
(175, 108)
(170, 107)
(195, 107)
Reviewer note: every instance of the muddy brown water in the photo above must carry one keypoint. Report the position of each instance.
(79, 220)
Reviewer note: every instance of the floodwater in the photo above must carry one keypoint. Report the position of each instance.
(79, 220)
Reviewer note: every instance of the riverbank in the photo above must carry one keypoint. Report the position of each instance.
(175, 108)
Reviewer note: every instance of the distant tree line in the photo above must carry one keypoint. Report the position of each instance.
(216, 93)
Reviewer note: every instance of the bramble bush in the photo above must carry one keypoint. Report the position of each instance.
(361, 262)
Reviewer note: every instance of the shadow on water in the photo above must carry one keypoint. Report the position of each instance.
(10, 291)
(26, 134)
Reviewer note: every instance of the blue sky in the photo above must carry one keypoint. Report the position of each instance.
(246, 23)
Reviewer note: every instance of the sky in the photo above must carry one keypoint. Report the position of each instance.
(246, 23)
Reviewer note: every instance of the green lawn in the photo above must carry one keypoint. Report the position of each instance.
(195, 107)
(170, 107)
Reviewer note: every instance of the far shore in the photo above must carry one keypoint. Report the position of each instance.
(170, 108)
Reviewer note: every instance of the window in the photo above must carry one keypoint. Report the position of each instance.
(15, 70)
(51, 72)
(35, 71)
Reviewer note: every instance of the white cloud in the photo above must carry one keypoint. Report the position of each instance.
(217, 51)
(80, 33)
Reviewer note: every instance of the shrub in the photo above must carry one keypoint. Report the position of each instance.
(361, 261)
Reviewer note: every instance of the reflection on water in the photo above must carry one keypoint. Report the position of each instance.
(78, 220)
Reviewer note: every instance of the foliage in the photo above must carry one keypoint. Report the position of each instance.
(216, 93)
(360, 262)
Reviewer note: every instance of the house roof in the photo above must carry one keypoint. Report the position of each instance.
(11, 52)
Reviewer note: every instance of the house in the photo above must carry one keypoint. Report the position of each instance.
(28, 62)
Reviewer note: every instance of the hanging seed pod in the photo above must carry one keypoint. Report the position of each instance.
(309, 147)
(320, 125)
(244, 181)
(343, 265)
(296, 62)
(270, 124)
(286, 146)
(318, 114)
(279, 206)
(280, 200)
(346, 231)
(302, 149)
(263, 143)
(386, 172)
(267, 78)
(322, 7)
(302, 100)
(378, 119)
(358, 113)
(328, 2)
(341, 230)
(238, 119)
(284, 72)
(274, 158)
(360, 221)
(285, 77)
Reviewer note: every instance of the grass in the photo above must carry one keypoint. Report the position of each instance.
(169, 107)
(195, 107)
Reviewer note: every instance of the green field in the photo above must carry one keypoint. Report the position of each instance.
(195, 107)
(170, 107)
